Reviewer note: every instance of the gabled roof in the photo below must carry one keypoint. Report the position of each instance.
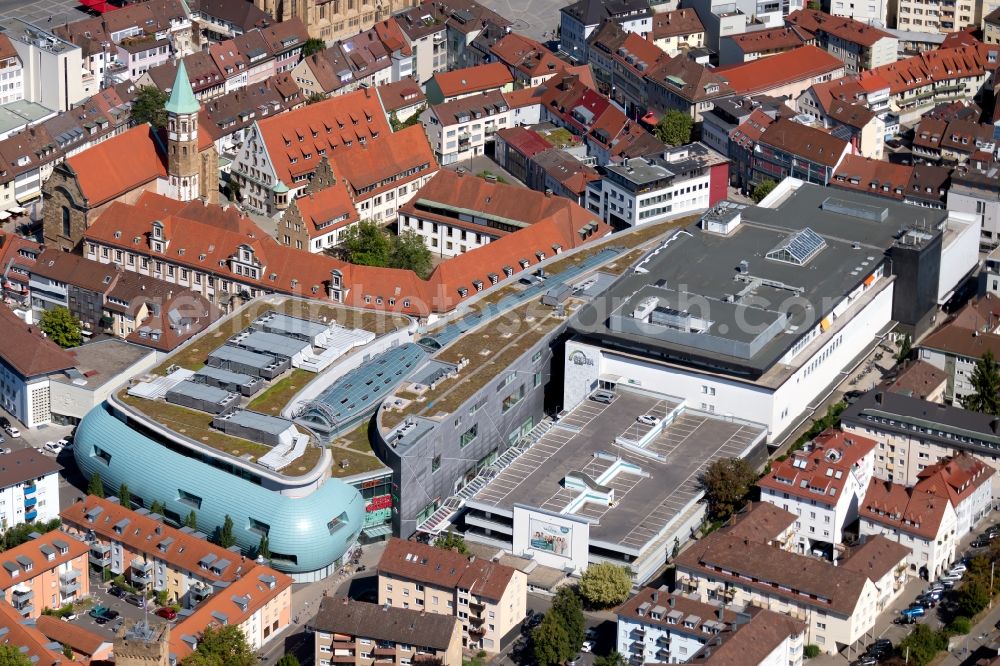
(24, 349)
(689, 80)
(101, 173)
(331, 125)
(320, 209)
(25, 465)
(935, 66)
(842, 27)
(447, 569)
(526, 55)
(32, 557)
(236, 110)
(801, 64)
(242, 14)
(74, 270)
(772, 39)
(813, 144)
(79, 638)
(286, 35)
(592, 12)
(955, 478)
(27, 639)
(462, 110)
(473, 79)
(822, 470)
(379, 165)
(385, 623)
(872, 176)
(748, 133)
(904, 509)
(399, 95)
(675, 23)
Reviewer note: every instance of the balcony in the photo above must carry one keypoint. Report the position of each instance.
(70, 588)
(30, 490)
(475, 620)
(30, 502)
(477, 632)
(100, 554)
(30, 515)
(476, 606)
(69, 576)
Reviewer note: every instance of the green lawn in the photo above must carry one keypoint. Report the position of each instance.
(357, 462)
(274, 399)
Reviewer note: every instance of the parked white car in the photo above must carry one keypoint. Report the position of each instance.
(52, 447)
(12, 431)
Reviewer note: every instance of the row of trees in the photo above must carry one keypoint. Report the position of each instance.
(369, 244)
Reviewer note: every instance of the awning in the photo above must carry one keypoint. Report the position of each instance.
(31, 196)
(377, 531)
(17, 210)
(4, 215)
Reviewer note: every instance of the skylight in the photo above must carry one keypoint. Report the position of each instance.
(798, 248)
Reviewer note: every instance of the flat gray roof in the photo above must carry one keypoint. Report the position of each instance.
(198, 391)
(262, 422)
(22, 112)
(294, 325)
(711, 309)
(272, 343)
(227, 376)
(102, 361)
(243, 356)
(583, 442)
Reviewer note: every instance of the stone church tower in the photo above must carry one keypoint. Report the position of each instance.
(141, 644)
(183, 160)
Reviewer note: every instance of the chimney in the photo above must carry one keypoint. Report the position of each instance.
(656, 596)
(671, 601)
(719, 612)
(878, 398)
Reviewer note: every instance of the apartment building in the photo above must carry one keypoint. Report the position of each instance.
(656, 626)
(858, 44)
(620, 61)
(150, 554)
(424, 27)
(956, 347)
(459, 83)
(578, 21)
(459, 130)
(941, 16)
(746, 46)
(977, 192)
(646, 190)
(29, 488)
(790, 149)
(922, 521)
(676, 30)
(355, 632)
(840, 107)
(11, 72)
(839, 604)
(914, 435)
(52, 66)
(822, 484)
(682, 84)
(48, 571)
(786, 74)
(966, 482)
(488, 598)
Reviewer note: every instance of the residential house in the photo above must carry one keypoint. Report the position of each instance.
(656, 626)
(317, 220)
(559, 173)
(401, 100)
(48, 571)
(530, 62)
(747, 46)
(743, 147)
(677, 30)
(61, 279)
(460, 129)
(838, 603)
(919, 83)
(472, 30)
(11, 72)
(991, 27)
(27, 361)
(578, 21)
(227, 119)
(919, 379)
(50, 66)
(516, 146)
(858, 44)
(958, 344)
(488, 598)
(823, 485)
(939, 16)
(786, 74)
(657, 187)
(790, 149)
(966, 483)
(953, 142)
(356, 632)
(331, 21)
(977, 192)
(729, 113)
(219, 20)
(459, 83)
(682, 84)
(620, 61)
(29, 488)
(425, 31)
(17, 257)
(285, 40)
(877, 177)
(839, 107)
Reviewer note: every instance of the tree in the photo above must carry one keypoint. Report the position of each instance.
(409, 251)
(124, 496)
(223, 646)
(762, 189)
(960, 626)
(225, 535)
(61, 327)
(451, 541)
(396, 124)
(568, 611)
(613, 659)
(605, 584)
(289, 660)
(726, 482)
(264, 547)
(95, 486)
(148, 107)
(157, 507)
(674, 128)
(812, 4)
(67, 651)
(21, 533)
(314, 98)
(922, 644)
(10, 655)
(312, 46)
(368, 244)
(905, 348)
(811, 651)
(973, 596)
(985, 396)
(192, 520)
(551, 642)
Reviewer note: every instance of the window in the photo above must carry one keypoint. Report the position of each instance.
(65, 221)
(188, 499)
(469, 435)
(337, 523)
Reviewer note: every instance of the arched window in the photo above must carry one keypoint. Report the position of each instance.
(65, 221)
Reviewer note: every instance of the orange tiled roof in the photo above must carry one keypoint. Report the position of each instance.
(31, 551)
(32, 643)
(954, 478)
(842, 27)
(764, 74)
(318, 210)
(236, 603)
(820, 472)
(79, 638)
(331, 125)
(102, 173)
(473, 79)
(932, 67)
(373, 164)
(906, 509)
(872, 176)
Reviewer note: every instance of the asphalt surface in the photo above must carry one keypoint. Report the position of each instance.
(537, 19)
(46, 14)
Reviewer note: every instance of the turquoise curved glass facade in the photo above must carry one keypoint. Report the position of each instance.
(306, 534)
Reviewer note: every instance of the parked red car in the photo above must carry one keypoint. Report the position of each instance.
(167, 613)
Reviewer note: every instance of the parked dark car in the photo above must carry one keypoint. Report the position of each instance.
(905, 619)
(135, 600)
(116, 591)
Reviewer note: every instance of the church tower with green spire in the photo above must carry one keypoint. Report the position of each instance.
(183, 161)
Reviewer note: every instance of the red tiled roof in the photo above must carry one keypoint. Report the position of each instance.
(768, 73)
(473, 79)
(820, 472)
(79, 638)
(331, 125)
(320, 208)
(934, 66)
(40, 562)
(449, 569)
(748, 133)
(846, 29)
(872, 176)
(804, 141)
(400, 94)
(675, 23)
(25, 349)
(26, 638)
(905, 509)
(525, 141)
(374, 164)
(954, 478)
(526, 55)
(773, 39)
